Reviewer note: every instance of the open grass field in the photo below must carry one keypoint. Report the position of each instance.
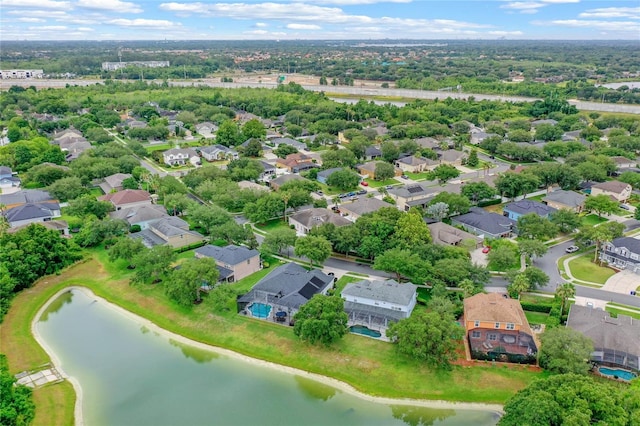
(371, 366)
(593, 219)
(584, 269)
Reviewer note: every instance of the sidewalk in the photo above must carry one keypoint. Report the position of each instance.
(567, 271)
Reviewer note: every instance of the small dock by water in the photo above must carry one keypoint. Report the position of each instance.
(39, 377)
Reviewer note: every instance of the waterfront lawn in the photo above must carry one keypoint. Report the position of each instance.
(371, 366)
(583, 269)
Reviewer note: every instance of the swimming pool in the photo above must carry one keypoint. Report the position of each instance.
(361, 329)
(260, 310)
(614, 372)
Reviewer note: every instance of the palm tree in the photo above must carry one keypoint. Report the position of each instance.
(286, 196)
(468, 287)
(520, 284)
(565, 292)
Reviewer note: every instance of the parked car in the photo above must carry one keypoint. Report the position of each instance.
(362, 192)
(486, 249)
(389, 186)
(404, 177)
(624, 207)
(572, 249)
(364, 183)
(351, 194)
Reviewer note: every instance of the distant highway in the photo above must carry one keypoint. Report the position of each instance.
(342, 90)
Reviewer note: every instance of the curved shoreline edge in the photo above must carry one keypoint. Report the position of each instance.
(342, 386)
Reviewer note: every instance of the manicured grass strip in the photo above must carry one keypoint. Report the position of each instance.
(593, 219)
(617, 312)
(343, 281)
(536, 317)
(380, 183)
(582, 268)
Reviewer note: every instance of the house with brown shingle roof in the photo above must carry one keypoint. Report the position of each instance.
(296, 163)
(306, 220)
(447, 235)
(617, 190)
(369, 169)
(497, 329)
(127, 198)
(113, 182)
(413, 164)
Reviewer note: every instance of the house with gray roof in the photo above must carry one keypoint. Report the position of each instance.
(8, 182)
(324, 174)
(113, 183)
(485, 224)
(28, 213)
(562, 199)
(377, 303)
(372, 153)
(304, 221)
(206, 129)
(520, 208)
(411, 195)
(141, 215)
(180, 156)
(413, 164)
(618, 191)
(25, 196)
(550, 121)
(447, 235)
(218, 152)
(288, 141)
(362, 206)
(236, 262)
(616, 341)
(622, 253)
(276, 183)
(284, 290)
(170, 230)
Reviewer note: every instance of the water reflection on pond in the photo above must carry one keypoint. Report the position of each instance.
(130, 376)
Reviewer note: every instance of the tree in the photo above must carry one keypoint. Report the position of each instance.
(384, 171)
(532, 248)
(177, 203)
(208, 217)
(228, 134)
(87, 205)
(334, 158)
(636, 215)
(591, 171)
(536, 277)
(431, 337)
(153, 263)
(438, 211)
(403, 263)
(566, 220)
(473, 161)
(477, 191)
(511, 184)
(537, 227)
(445, 172)
(127, 249)
(16, 402)
(564, 292)
(96, 231)
(343, 179)
(566, 399)
(244, 169)
(411, 230)
(184, 285)
(321, 320)
(283, 150)
(599, 234)
(254, 129)
(390, 151)
(548, 132)
(600, 204)
(468, 288)
(253, 148)
(267, 207)
(502, 257)
(519, 285)
(316, 249)
(67, 188)
(277, 240)
(458, 204)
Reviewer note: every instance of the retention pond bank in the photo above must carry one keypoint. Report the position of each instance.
(127, 371)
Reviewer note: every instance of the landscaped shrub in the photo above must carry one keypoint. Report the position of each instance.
(531, 307)
(486, 203)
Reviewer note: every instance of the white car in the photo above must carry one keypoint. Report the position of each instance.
(572, 249)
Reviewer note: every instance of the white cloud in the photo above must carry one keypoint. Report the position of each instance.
(39, 4)
(85, 29)
(523, 5)
(53, 14)
(612, 12)
(303, 27)
(612, 26)
(560, 1)
(357, 2)
(49, 28)
(157, 24)
(506, 33)
(261, 25)
(30, 20)
(111, 5)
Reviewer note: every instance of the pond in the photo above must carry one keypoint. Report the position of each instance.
(131, 374)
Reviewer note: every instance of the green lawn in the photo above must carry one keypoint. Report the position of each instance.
(584, 269)
(245, 284)
(536, 317)
(158, 147)
(272, 225)
(369, 365)
(593, 219)
(615, 312)
(419, 176)
(343, 281)
(380, 183)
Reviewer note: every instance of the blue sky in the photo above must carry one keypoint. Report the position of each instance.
(318, 19)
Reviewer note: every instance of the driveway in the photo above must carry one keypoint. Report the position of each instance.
(478, 257)
(623, 282)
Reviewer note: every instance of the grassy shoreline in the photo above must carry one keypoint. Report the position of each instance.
(370, 366)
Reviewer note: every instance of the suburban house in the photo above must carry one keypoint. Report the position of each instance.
(451, 157)
(246, 184)
(276, 183)
(562, 199)
(269, 170)
(67, 134)
(428, 142)
(59, 226)
(218, 152)
(234, 262)
(369, 169)
(25, 196)
(180, 156)
(295, 163)
(288, 141)
(479, 137)
(127, 198)
(28, 213)
(283, 291)
(447, 235)
(113, 183)
(413, 164)
(206, 129)
(617, 190)
(624, 162)
(140, 215)
(497, 329)
(622, 253)
(377, 303)
(536, 123)
(169, 230)
(324, 174)
(305, 220)
(616, 341)
(412, 195)
(8, 182)
(362, 206)
(520, 208)
(485, 224)
(74, 148)
(372, 153)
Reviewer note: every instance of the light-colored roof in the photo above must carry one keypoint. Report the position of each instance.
(116, 180)
(529, 206)
(245, 184)
(389, 291)
(568, 198)
(447, 234)
(494, 307)
(25, 196)
(318, 216)
(411, 190)
(364, 205)
(230, 255)
(612, 186)
(56, 225)
(139, 214)
(126, 196)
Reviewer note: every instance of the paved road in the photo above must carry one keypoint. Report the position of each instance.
(344, 90)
